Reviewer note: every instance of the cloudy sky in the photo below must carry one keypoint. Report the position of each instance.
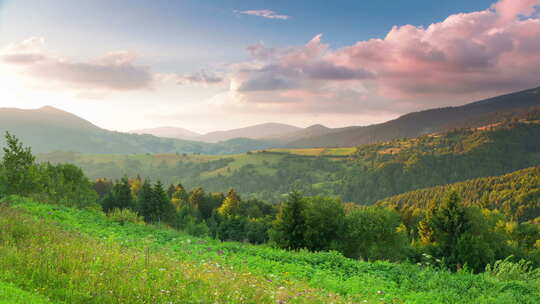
(208, 65)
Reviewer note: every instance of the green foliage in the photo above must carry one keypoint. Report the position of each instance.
(508, 270)
(123, 216)
(63, 184)
(290, 223)
(323, 222)
(375, 233)
(10, 294)
(243, 269)
(231, 205)
(516, 194)
(19, 172)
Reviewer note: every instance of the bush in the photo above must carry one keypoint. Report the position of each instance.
(124, 216)
(510, 271)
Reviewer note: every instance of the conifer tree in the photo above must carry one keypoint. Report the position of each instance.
(145, 206)
(231, 205)
(289, 226)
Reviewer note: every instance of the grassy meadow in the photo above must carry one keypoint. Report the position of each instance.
(82, 256)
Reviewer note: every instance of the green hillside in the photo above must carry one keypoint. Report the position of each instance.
(363, 174)
(516, 194)
(81, 256)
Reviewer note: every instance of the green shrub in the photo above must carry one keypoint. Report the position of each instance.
(508, 270)
(123, 216)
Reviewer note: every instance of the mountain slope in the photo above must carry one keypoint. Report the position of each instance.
(168, 132)
(259, 131)
(424, 122)
(311, 131)
(516, 193)
(49, 129)
(363, 175)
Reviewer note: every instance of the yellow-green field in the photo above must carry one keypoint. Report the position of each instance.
(339, 152)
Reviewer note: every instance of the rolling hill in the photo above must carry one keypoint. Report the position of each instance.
(424, 122)
(364, 174)
(49, 129)
(516, 193)
(168, 132)
(260, 131)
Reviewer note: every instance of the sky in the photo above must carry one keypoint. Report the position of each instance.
(215, 65)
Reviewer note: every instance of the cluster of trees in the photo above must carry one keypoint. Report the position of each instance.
(63, 183)
(220, 215)
(454, 234)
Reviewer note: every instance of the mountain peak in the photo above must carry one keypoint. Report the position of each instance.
(53, 110)
(317, 127)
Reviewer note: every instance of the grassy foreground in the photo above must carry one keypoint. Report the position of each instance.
(78, 256)
(10, 294)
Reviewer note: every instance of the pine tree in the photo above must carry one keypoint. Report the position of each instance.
(123, 194)
(145, 199)
(289, 226)
(231, 205)
(163, 209)
(449, 222)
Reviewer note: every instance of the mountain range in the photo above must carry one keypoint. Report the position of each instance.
(49, 129)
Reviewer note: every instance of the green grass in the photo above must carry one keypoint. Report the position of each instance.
(323, 275)
(10, 294)
(73, 268)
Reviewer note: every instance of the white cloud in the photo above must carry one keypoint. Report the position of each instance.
(265, 13)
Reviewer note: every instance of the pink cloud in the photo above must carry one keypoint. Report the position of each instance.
(462, 58)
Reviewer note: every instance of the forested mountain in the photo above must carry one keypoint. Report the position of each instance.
(169, 132)
(260, 131)
(429, 121)
(49, 129)
(516, 194)
(363, 175)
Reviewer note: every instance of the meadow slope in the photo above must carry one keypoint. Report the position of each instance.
(82, 256)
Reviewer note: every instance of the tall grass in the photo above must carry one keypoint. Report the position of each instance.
(72, 268)
(253, 270)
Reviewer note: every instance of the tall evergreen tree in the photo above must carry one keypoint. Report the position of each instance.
(163, 209)
(290, 224)
(145, 201)
(449, 222)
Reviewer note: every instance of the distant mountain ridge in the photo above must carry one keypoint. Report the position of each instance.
(427, 121)
(49, 129)
(169, 132)
(260, 131)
